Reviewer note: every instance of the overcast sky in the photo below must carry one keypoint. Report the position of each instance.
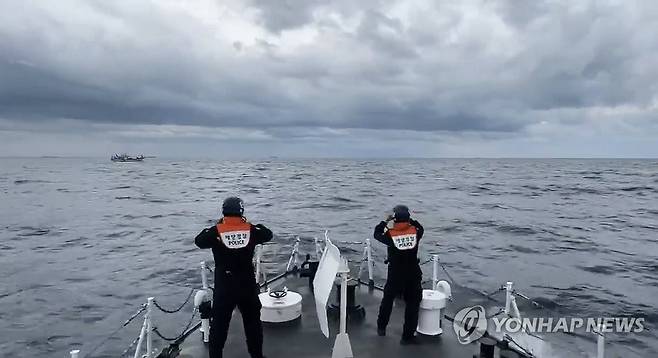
(368, 78)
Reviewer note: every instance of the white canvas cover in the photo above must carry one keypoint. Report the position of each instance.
(324, 282)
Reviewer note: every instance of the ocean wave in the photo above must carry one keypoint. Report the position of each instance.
(155, 200)
(299, 176)
(495, 206)
(582, 190)
(30, 181)
(601, 269)
(636, 188)
(514, 229)
(73, 242)
(119, 234)
(451, 228)
(523, 249)
(27, 231)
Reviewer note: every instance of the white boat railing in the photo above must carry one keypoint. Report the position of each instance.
(367, 263)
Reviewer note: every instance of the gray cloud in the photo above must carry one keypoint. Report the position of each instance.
(277, 16)
(474, 66)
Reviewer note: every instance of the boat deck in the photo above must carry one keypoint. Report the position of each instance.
(303, 337)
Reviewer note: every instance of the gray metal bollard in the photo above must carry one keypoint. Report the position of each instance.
(487, 346)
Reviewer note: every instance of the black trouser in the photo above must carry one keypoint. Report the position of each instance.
(243, 293)
(405, 281)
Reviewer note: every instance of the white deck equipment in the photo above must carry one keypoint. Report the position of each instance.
(200, 297)
(432, 304)
(279, 308)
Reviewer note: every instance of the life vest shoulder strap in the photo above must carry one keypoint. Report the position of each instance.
(230, 223)
(402, 229)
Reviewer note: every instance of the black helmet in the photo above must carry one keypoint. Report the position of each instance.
(401, 213)
(233, 206)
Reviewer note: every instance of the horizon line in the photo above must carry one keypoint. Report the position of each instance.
(319, 157)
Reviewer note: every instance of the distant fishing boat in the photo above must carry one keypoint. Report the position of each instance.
(126, 158)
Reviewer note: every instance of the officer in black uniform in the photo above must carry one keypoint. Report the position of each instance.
(233, 241)
(404, 274)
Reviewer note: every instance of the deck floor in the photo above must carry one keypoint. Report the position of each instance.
(304, 338)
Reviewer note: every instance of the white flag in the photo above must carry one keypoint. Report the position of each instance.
(324, 282)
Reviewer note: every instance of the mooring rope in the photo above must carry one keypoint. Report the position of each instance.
(500, 311)
(189, 324)
(494, 292)
(189, 296)
(443, 267)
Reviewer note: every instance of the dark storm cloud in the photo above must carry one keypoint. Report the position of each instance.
(282, 15)
(278, 16)
(487, 66)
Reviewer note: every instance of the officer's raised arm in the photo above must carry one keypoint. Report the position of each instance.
(206, 238)
(380, 234)
(262, 234)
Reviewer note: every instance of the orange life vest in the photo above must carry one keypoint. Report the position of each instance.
(403, 235)
(234, 232)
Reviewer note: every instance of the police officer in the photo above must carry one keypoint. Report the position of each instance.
(233, 241)
(404, 274)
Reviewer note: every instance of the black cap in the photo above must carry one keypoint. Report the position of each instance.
(401, 213)
(233, 206)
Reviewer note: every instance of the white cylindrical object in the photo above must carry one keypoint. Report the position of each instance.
(279, 310)
(142, 334)
(149, 328)
(514, 308)
(370, 263)
(318, 249)
(75, 353)
(435, 271)
(600, 342)
(343, 303)
(293, 256)
(508, 297)
(429, 315)
(204, 276)
(258, 264)
(296, 255)
(205, 327)
(364, 258)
